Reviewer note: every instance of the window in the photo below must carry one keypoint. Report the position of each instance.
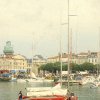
(95, 60)
(92, 60)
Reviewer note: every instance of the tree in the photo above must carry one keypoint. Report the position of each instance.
(53, 67)
(88, 66)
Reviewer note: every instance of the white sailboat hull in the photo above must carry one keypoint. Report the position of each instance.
(48, 92)
(30, 89)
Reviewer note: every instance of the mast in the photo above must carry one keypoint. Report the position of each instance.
(61, 57)
(68, 48)
(69, 43)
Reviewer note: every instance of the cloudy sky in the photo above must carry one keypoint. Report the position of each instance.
(34, 26)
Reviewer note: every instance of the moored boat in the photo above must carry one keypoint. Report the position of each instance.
(45, 91)
(5, 77)
(53, 97)
(87, 79)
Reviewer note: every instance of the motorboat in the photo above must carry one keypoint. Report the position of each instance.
(96, 83)
(93, 85)
(87, 79)
(5, 77)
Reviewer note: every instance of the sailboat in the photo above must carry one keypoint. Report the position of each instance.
(71, 95)
(46, 91)
(51, 95)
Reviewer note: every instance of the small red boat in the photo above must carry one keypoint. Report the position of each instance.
(54, 97)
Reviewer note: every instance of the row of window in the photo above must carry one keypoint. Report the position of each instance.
(89, 60)
(7, 67)
(10, 63)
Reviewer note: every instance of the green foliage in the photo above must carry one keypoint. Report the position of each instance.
(42, 67)
(97, 68)
(88, 66)
(53, 67)
(64, 67)
(75, 68)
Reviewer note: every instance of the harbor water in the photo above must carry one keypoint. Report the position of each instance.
(10, 90)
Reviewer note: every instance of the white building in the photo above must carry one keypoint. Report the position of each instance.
(37, 61)
(93, 58)
(16, 62)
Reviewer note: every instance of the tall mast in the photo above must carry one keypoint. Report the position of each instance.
(61, 57)
(60, 52)
(68, 48)
(69, 43)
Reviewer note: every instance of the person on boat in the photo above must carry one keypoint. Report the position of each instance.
(20, 95)
(72, 97)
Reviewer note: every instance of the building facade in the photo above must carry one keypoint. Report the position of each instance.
(10, 61)
(16, 62)
(37, 61)
(80, 58)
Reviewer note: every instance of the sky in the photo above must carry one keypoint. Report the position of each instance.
(36, 26)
